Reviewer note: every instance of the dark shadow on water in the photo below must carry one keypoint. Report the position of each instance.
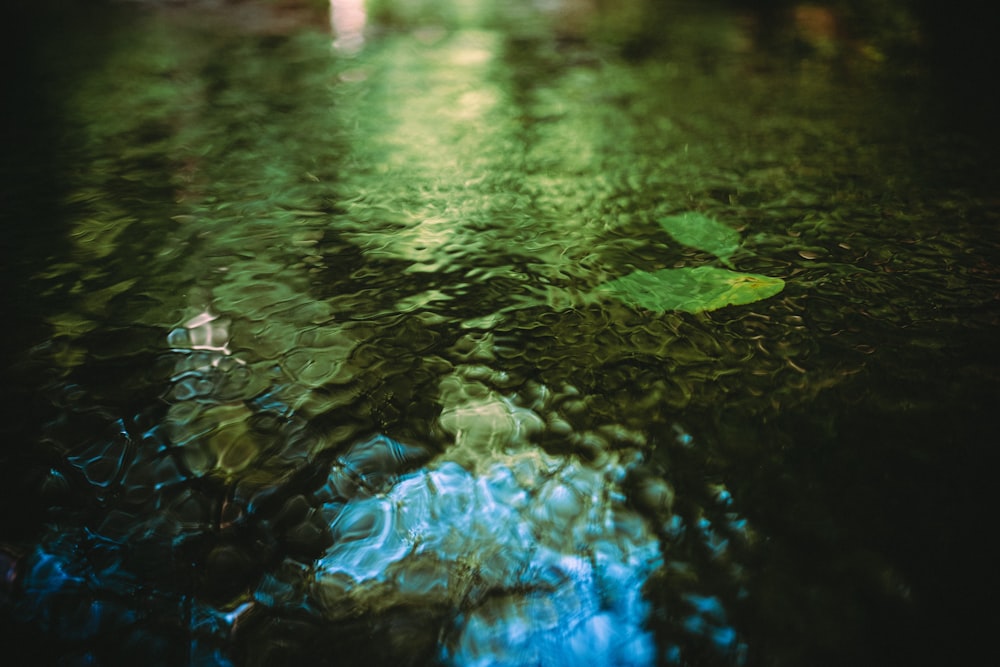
(46, 45)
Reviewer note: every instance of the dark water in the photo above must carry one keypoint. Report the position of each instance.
(312, 354)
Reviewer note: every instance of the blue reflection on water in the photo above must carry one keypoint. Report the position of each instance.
(550, 571)
(539, 558)
(707, 618)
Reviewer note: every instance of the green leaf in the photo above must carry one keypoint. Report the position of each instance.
(701, 232)
(692, 290)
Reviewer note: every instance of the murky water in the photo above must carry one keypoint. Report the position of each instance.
(414, 348)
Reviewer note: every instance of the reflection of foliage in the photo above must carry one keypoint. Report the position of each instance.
(121, 138)
(370, 235)
(162, 142)
(449, 13)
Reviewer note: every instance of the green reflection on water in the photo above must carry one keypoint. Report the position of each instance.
(398, 241)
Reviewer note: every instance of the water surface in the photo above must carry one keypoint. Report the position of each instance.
(313, 357)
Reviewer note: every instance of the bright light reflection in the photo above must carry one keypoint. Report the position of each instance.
(347, 20)
(204, 331)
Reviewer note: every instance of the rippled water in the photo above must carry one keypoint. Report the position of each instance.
(322, 356)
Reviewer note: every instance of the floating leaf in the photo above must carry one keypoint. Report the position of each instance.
(692, 289)
(701, 232)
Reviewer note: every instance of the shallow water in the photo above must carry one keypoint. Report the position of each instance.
(319, 354)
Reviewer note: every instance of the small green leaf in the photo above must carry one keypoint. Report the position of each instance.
(701, 232)
(692, 290)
